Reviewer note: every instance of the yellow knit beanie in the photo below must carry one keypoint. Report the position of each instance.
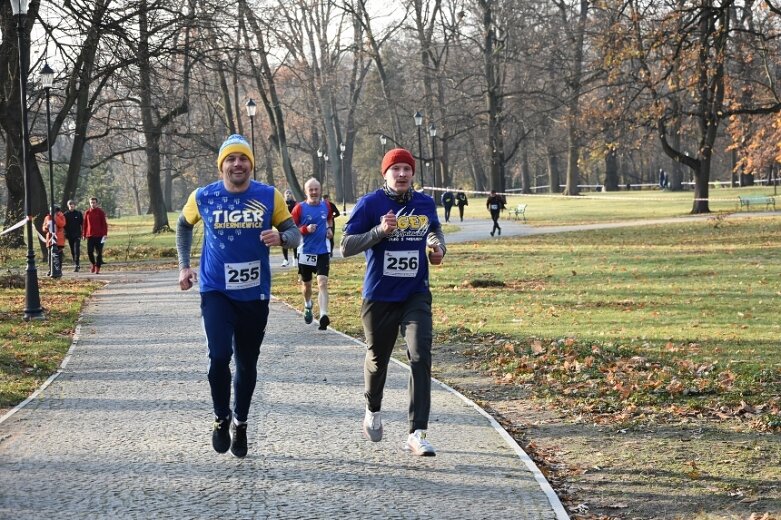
(235, 143)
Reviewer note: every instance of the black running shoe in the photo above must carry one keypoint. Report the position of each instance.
(238, 439)
(221, 439)
(324, 322)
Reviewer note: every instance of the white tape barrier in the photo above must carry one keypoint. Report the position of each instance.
(15, 226)
(20, 224)
(586, 197)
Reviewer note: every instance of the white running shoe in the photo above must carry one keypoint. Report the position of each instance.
(419, 445)
(372, 426)
(284, 263)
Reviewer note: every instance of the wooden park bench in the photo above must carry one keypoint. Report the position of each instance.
(748, 200)
(519, 212)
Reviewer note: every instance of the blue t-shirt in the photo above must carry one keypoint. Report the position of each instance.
(397, 266)
(316, 243)
(233, 259)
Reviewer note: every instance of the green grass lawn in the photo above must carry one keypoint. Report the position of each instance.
(677, 315)
(591, 207)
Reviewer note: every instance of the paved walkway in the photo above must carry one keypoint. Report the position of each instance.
(124, 430)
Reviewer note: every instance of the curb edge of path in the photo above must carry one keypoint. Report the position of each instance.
(547, 489)
(55, 375)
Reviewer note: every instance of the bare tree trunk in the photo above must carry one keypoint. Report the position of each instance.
(153, 128)
(478, 173)
(611, 171)
(573, 105)
(676, 177)
(385, 82)
(11, 118)
(264, 78)
(493, 98)
(554, 175)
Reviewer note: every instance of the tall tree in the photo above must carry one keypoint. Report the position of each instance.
(264, 78)
(685, 60)
(154, 118)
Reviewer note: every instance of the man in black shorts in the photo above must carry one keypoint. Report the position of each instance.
(315, 221)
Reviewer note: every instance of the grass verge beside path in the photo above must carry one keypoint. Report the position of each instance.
(644, 357)
(30, 351)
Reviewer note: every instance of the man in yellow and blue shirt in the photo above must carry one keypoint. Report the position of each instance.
(238, 216)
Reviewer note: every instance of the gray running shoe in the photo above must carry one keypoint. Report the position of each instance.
(372, 426)
(419, 445)
(307, 315)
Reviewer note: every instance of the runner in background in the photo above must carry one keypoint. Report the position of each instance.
(315, 221)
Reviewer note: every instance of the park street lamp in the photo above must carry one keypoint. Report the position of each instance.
(383, 141)
(32, 297)
(418, 122)
(432, 131)
(251, 108)
(325, 174)
(343, 147)
(47, 80)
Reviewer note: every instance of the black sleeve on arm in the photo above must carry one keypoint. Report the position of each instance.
(184, 241)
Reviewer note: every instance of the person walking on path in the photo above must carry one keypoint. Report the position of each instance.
(448, 199)
(95, 230)
(461, 201)
(291, 202)
(334, 213)
(235, 279)
(315, 222)
(74, 220)
(55, 240)
(398, 230)
(495, 205)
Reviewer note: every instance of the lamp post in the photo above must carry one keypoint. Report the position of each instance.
(432, 131)
(383, 141)
(319, 164)
(251, 108)
(325, 174)
(32, 298)
(342, 147)
(418, 122)
(47, 80)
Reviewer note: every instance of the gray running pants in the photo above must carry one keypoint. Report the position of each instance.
(382, 323)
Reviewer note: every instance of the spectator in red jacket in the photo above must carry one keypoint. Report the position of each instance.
(95, 231)
(55, 240)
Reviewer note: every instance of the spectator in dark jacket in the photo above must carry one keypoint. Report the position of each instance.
(74, 220)
(291, 202)
(335, 213)
(461, 201)
(448, 199)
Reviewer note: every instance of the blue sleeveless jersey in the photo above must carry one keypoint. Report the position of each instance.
(396, 267)
(234, 260)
